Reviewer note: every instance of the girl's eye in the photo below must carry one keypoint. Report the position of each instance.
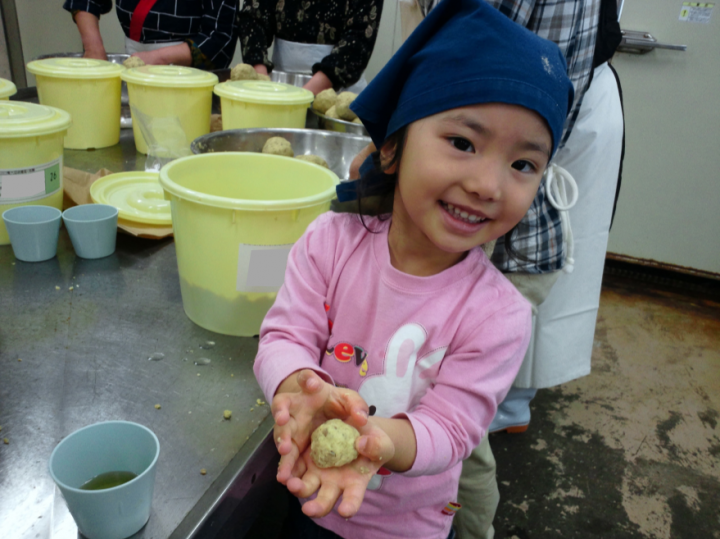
(524, 166)
(462, 144)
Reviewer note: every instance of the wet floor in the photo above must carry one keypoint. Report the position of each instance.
(632, 450)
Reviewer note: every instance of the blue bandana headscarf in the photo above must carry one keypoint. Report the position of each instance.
(464, 53)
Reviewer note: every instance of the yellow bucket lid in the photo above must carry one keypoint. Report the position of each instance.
(19, 119)
(7, 88)
(75, 68)
(170, 76)
(264, 92)
(138, 196)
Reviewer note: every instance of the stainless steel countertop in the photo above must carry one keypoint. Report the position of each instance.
(75, 337)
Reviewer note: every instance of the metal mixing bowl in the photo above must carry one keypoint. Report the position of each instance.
(339, 126)
(338, 149)
(295, 79)
(115, 58)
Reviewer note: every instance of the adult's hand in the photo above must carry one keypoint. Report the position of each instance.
(174, 54)
(261, 69)
(359, 160)
(318, 83)
(89, 28)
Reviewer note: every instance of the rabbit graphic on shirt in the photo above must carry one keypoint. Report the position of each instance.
(405, 379)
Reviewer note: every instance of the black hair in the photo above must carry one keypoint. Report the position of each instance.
(379, 196)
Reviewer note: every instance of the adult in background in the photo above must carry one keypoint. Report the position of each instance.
(197, 33)
(330, 39)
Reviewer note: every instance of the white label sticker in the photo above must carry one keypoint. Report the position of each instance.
(696, 12)
(261, 268)
(30, 183)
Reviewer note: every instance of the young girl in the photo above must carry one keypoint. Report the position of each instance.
(400, 325)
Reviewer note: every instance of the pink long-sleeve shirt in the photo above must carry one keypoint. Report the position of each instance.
(441, 351)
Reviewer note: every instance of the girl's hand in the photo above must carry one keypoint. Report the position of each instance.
(375, 449)
(303, 402)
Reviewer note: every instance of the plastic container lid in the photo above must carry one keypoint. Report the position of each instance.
(170, 77)
(264, 92)
(7, 88)
(138, 196)
(27, 119)
(75, 68)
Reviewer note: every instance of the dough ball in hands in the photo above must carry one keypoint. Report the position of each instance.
(332, 113)
(278, 146)
(333, 444)
(324, 100)
(316, 159)
(133, 61)
(243, 72)
(343, 106)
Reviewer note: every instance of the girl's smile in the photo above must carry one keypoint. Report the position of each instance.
(466, 177)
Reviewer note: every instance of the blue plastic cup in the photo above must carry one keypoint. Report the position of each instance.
(92, 229)
(33, 232)
(110, 446)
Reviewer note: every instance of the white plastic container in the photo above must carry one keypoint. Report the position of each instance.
(235, 216)
(256, 103)
(170, 106)
(7, 88)
(31, 156)
(89, 90)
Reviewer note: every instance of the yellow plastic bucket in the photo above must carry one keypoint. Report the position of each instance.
(235, 216)
(31, 152)
(255, 103)
(170, 106)
(89, 90)
(7, 88)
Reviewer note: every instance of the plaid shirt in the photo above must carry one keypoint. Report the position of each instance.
(209, 27)
(572, 24)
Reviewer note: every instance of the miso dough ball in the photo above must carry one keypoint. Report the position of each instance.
(324, 100)
(343, 106)
(278, 146)
(313, 159)
(333, 444)
(243, 72)
(261, 76)
(332, 113)
(133, 61)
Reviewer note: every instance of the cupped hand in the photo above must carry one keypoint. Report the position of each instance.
(298, 413)
(350, 481)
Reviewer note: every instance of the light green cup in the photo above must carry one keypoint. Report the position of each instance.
(113, 513)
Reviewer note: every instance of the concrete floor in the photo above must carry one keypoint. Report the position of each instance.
(633, 450)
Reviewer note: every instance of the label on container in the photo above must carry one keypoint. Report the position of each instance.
(30, 183)
(261, 268)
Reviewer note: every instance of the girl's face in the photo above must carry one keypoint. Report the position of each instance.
(467, 176)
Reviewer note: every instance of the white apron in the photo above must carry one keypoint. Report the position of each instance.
(131, 46)
(293, 57)
(564, 328)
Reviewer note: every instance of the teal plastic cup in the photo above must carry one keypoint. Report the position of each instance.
(110, 446)
(92, 229)
(33, 232)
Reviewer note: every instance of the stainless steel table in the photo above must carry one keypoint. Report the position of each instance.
(75, 338)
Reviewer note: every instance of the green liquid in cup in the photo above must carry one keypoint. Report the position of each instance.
(108, 480)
